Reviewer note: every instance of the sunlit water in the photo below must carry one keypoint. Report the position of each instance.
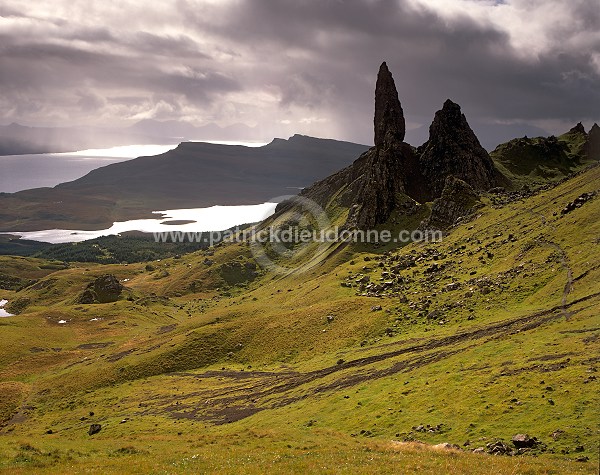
(4, 313)
(215, 218)
(22, 172)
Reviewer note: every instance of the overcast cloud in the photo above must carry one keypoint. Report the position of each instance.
(298, 66)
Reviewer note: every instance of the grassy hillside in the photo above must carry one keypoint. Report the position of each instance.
(533, 161)
(363, 363)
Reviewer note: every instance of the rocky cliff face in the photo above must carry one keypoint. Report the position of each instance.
(453, 149)
(375, 183)
(592, 147)
(457, 200)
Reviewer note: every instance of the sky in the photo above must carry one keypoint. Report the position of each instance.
(295, 66)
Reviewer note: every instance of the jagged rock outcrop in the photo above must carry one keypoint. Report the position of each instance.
(387, 177)
(578, 129)
(453, 149)
(527, 155)
(391, 175)
(457, 200)
(389, 171)
(104, 289)
(592, 146)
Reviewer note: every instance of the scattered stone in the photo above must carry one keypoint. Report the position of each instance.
(434, 315)
(578, 202)
(452, 286)
(330, 318)
(498, 448)
(376, 308)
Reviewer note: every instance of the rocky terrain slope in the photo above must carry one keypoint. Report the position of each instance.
(474, 354)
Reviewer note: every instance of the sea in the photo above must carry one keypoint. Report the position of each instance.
(22, 172)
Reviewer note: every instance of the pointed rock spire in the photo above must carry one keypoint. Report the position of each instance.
(389, 117)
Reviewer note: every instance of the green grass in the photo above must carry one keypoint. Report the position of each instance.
(540, 160)
(190, 346)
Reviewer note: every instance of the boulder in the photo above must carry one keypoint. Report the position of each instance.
(104, 289)
(446, 446)
(94, 429)
(521, 441)
(87, 297)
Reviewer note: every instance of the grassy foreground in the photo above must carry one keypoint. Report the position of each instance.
(204, 366)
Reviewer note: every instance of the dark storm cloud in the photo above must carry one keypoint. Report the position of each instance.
(307, 62)
(57, 67)
(432, 58)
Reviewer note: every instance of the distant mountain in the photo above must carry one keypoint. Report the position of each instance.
(489, 135)
(16, 139)
(194, 174)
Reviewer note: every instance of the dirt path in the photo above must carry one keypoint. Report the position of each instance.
(249, 392)
(563, 260)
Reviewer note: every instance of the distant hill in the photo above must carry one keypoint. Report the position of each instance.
(17, 139)
(191, 175)
(536, 160)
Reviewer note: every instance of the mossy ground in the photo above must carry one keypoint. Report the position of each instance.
(197, 370)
